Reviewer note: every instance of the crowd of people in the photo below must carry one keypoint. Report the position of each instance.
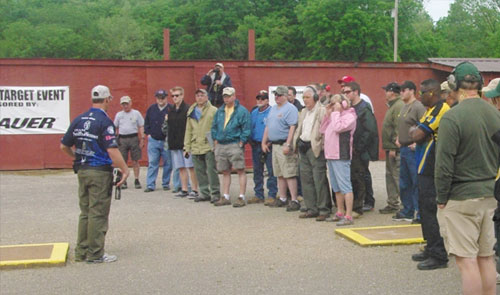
(315, 157)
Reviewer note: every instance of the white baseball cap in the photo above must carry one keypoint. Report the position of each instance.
(125, 99)
(100, 92)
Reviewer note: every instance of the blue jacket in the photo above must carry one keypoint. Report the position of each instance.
(237, 129)
(154, 120)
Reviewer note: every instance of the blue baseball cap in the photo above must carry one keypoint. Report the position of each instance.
(161, 93)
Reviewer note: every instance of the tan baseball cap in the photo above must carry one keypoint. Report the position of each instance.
(125, 99)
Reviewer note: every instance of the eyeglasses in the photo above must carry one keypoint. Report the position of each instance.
(346, 91)
(425, 91)
(176, 95)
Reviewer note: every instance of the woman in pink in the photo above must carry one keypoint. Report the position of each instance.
(338, 128)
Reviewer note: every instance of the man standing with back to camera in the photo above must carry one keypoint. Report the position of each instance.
(467, 159)
(93, 135)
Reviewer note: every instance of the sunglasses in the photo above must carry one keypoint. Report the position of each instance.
(176, 95)
(346, 91)
(424, 92)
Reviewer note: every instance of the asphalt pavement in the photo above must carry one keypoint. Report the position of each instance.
(167, 245)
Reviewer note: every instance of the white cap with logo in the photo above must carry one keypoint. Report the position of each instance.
(100, 92)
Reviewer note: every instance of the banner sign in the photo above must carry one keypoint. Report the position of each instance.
(34, 110)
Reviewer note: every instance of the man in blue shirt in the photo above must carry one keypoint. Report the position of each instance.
(280, 127)
(93, 135)
(259, 158)
(155, 116)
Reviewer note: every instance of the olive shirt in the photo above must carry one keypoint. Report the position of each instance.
(466, 156)
(409, 117)
(390, 124)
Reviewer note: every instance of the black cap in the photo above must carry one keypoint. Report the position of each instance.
(393, 86)
(408, 85)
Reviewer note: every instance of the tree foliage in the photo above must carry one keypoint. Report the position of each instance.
(355, 30)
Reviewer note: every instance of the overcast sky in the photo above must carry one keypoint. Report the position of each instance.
(437, 8)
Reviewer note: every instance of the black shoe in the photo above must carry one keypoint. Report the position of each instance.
(124, 185)
(137, 184)
(201, 199)
(149, 190)
(416, 221)
(367, 208)
(182, 194)
(432, 263)
(419, 256)
(388, 210)
(166, 188)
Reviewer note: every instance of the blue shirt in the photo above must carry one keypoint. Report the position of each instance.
(279, 121)
(259, 120)
(92, 133)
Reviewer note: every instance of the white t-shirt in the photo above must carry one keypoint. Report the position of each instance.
(367, 99)
(128, 123)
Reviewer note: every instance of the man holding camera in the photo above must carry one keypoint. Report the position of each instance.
(216, 80)
(93, 135)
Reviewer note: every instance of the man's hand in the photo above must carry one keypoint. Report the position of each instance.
(141, 142)
(286, 149)
(441, 206)
(337, 107)
(265, 147)
(392, 154)
(124, 177)
(185, 154)
(218, 82)
(412, 146)
(397, 142)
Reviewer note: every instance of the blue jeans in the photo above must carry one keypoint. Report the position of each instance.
(408, 187)
(177, 180)
(258, 173)
(155, 151)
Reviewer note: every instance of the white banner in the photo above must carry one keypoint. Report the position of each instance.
(34, 110)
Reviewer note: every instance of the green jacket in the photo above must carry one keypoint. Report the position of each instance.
(390, 124)
(238, 128)
(195, 139)
(467, 155)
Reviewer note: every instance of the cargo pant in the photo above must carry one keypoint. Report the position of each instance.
(94, 192)
(208, 179)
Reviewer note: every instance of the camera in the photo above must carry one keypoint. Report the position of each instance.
(216, 70)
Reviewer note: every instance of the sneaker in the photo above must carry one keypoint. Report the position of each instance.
(239, 203)
(293, 206)
(104, 259)
(182, 194)
(367, 208)
(400, 217)
(222, 202)
(303, 208)
(124, 185)
(277, 203)
(166, 188)
(137, 184)
(214, 200)
(308, 215)
(322, 217)
(335, 218)
(148, 190)
(255, 200)
(388, 210)
(201, 199)
(192, 195)
(176, 190)
(356, 215)
(345, 221)
(269, 201)
(416, 221)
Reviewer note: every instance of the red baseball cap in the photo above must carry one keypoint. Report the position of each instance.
(346, 79)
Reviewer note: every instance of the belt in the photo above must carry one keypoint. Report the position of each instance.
(128, 135)
(278, 142)
(98, 168)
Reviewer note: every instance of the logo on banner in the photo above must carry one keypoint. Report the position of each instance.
(34, 110)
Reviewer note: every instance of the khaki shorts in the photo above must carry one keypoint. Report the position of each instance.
(130, 144)
(229, 155)
(467, 227)
(284, 165)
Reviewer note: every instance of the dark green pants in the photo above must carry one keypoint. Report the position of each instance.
(94, 192)
(208, 179)
(315, 188)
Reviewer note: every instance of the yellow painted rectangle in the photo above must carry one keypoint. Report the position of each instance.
(387, 234)
(57, 257)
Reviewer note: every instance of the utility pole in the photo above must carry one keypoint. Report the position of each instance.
(395, 15)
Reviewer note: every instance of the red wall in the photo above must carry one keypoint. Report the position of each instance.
(140, 80)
